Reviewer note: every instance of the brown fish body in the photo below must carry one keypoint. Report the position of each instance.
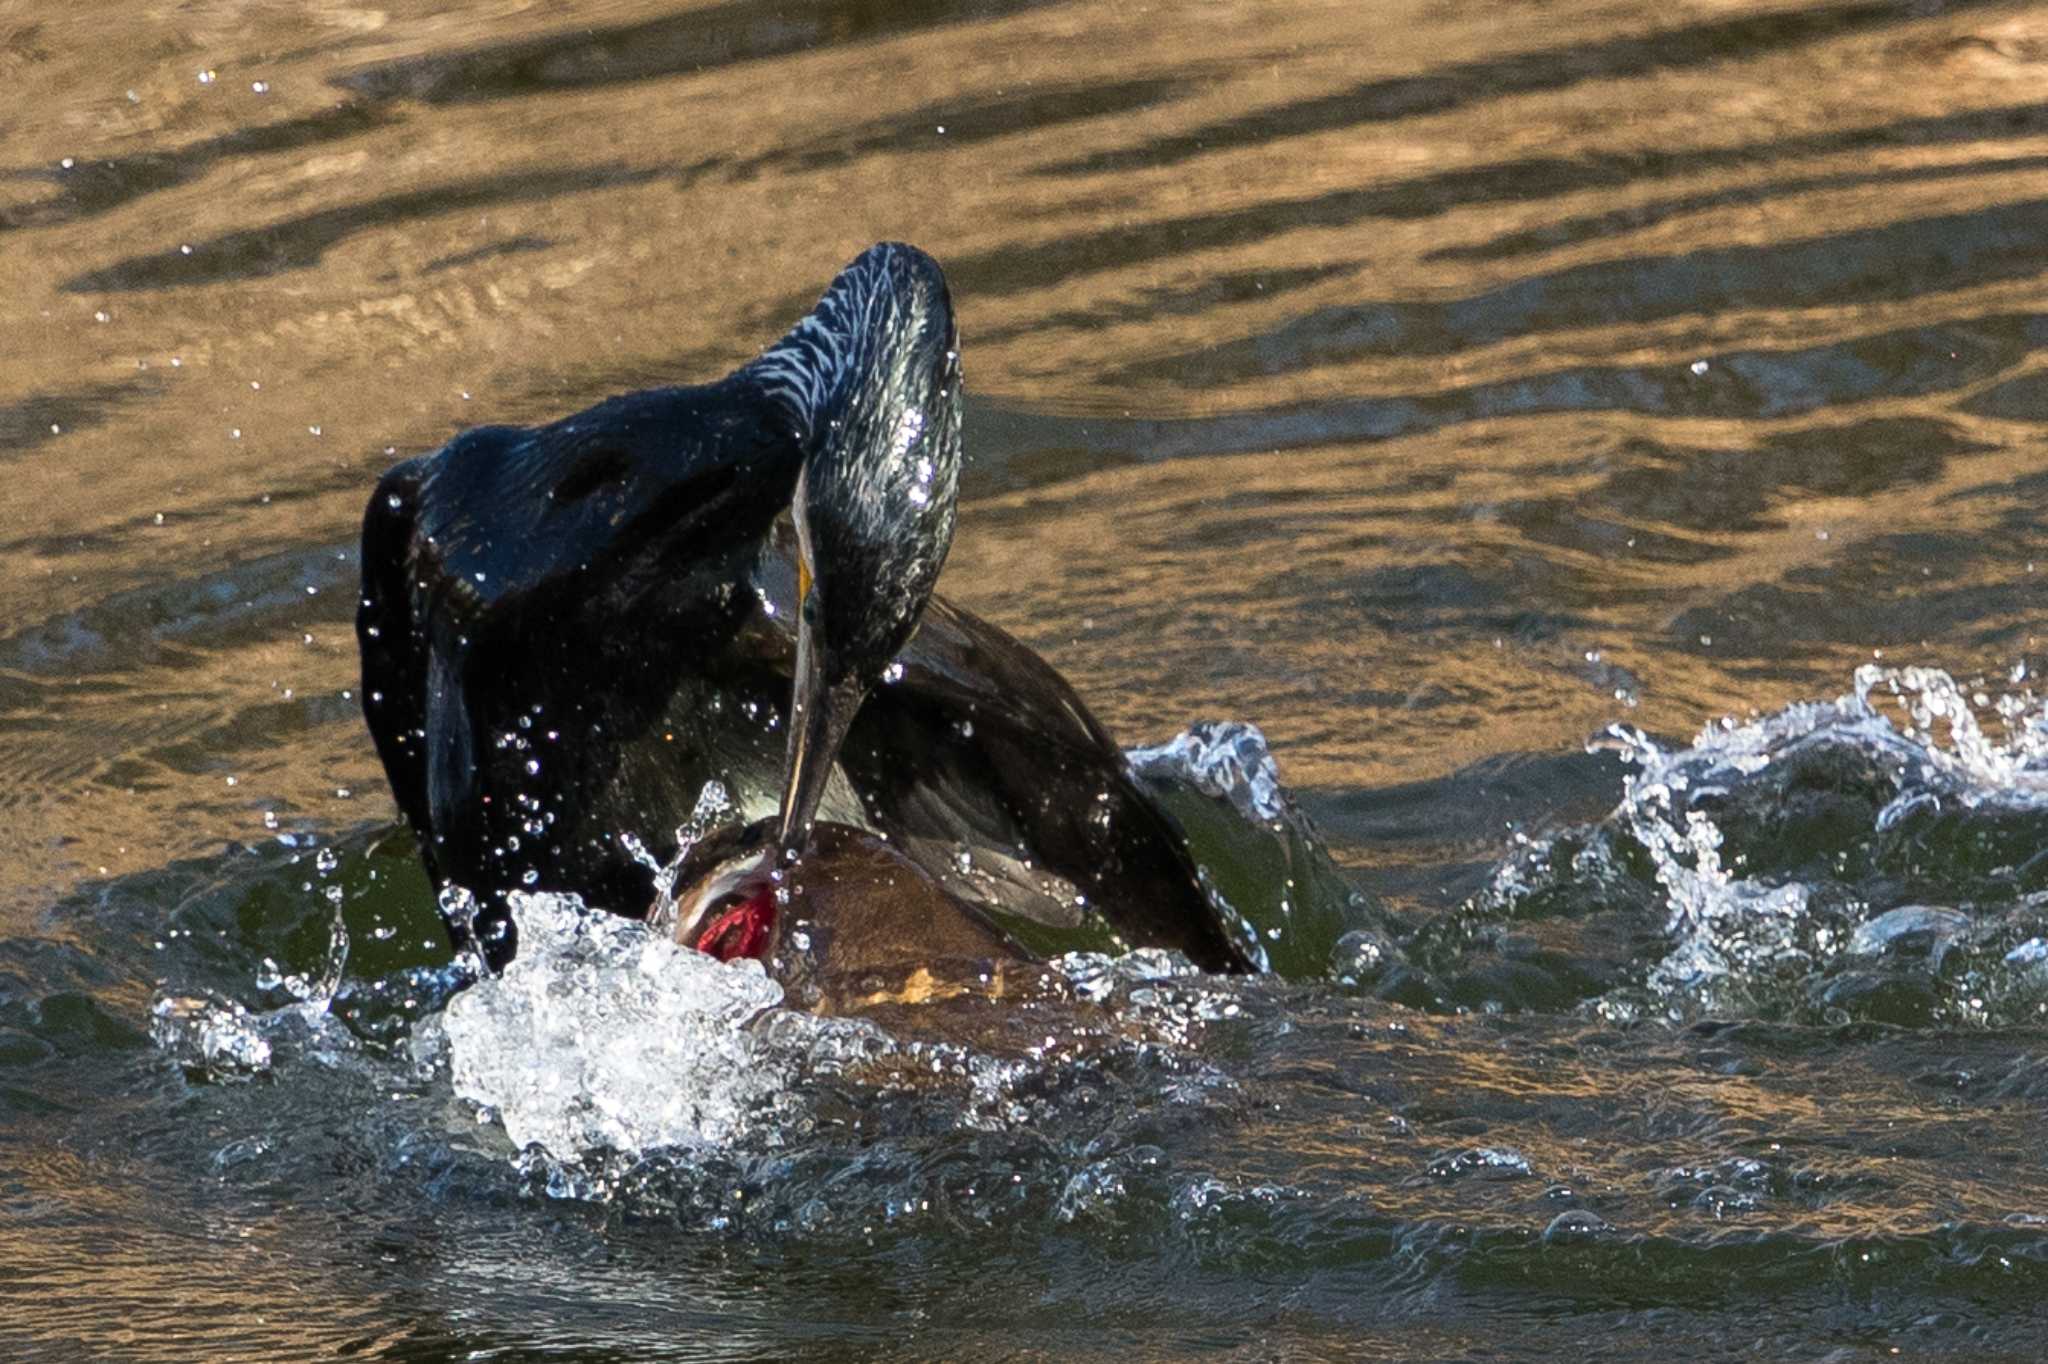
(853, 927)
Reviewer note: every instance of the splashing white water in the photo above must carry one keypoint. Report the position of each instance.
(217, 1038)
(1733, 929)
(603, 1034)
(1258, 859)
(1228, 760)
(714, 807)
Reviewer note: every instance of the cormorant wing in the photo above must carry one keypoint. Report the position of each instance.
(989, 771)
(394, 652)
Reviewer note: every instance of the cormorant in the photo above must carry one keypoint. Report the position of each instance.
(569, 632)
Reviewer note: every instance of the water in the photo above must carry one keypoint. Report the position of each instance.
(1603, 455)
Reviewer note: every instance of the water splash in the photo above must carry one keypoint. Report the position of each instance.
(602, 1034)
(714, 807)
(222, 1041)
(213, 1039)
(1795, 856)
(1260, 861)
(1227, 760)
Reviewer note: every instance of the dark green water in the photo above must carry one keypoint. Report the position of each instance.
(1433, 386)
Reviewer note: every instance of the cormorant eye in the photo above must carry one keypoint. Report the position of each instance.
(594, 469)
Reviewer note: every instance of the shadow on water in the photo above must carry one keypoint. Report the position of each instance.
(969, 121)
(1721, 494)
(1432, 92)
(691, 43)
(511, 246)
(1520, 181)
(1867, 265)
(101, 186)
(298, 243)
(2024, 399)
(1022, 449)
(28, 422)
(1895, 260)
(1620, 222)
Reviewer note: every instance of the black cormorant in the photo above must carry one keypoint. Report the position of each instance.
(569, 632)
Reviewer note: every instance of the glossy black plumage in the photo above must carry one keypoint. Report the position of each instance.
(568, 630)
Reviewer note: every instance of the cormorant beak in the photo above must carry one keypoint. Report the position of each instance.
(874, 380)
(825, 695)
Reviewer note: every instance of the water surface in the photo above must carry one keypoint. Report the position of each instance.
(1434, 388)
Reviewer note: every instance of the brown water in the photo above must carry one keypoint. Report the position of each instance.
(1431, 385)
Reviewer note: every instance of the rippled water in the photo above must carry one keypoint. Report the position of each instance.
(1601, 447)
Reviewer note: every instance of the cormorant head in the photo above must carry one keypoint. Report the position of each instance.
(873, 376)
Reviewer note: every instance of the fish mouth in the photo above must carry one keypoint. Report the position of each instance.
(733, 909)
(734, 912)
